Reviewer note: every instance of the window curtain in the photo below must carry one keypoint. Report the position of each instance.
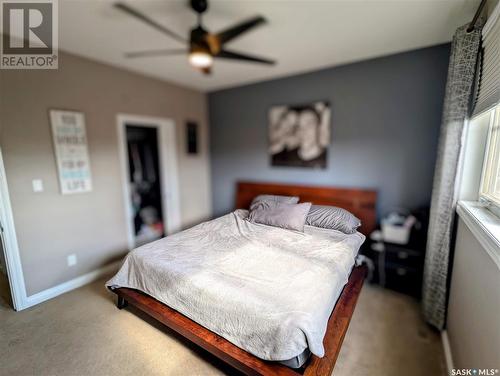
(461, 74)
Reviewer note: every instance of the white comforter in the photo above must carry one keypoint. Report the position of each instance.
(268, 290)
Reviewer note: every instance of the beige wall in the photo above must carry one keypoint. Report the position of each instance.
(490, 6)
(474, 305)
(49, 225)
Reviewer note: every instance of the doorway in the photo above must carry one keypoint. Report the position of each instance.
(149, 176)
(145, 184)
(12, 289)
(5, 297)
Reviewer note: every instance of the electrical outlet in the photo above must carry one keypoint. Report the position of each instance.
(37, 185)
(72, 260)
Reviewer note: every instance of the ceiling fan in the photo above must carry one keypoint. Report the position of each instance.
(202, 45)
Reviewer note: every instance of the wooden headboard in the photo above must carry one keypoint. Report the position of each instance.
(360, 202)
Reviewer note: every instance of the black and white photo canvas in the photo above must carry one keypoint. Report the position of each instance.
(300, 135)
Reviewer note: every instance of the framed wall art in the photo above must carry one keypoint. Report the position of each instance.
(71, 151)
(299, 135)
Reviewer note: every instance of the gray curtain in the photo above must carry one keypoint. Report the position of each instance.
(461, 73)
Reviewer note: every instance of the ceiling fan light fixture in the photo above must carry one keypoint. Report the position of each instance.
(200, 59)
(202, 45)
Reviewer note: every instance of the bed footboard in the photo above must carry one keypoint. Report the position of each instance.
(240, 359)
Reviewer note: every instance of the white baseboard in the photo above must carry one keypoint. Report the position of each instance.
(70, 285)
(447, 351)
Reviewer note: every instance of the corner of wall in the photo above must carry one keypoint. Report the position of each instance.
(447, 351)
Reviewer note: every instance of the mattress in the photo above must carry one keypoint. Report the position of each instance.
(297, 361)
(268, 290)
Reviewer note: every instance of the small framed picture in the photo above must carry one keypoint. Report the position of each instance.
(192, 137)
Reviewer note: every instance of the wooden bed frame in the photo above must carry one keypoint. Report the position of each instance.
(361, 203)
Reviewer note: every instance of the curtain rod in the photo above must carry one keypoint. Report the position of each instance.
(476, 16)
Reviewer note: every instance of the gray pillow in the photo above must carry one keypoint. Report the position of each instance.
(274, 198)
(334, 218)
(288, 216)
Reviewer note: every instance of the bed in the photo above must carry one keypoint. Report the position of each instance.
(261, 314)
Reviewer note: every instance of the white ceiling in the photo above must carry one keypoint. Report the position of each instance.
(301, 35)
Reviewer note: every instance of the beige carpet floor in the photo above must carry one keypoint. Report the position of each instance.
(82, 333)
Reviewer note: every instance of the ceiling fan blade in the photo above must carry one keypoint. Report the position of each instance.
(135, 13)
(226, 54)
(238, 29)
(151, 53)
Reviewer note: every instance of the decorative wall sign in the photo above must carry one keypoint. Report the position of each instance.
(192, 137)
(70, 147)
(299, 136)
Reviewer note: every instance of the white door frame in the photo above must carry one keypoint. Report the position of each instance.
(11, 247)
(169, 178)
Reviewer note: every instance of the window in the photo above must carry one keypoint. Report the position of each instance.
(489, 72)
(490, 181)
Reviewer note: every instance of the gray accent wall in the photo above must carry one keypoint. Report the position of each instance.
(386, 114)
